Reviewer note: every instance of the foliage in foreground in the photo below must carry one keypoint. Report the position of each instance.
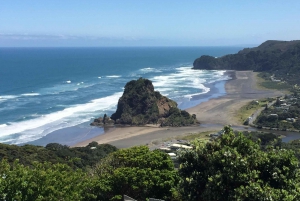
(42, 181)
(235, 168)
(136, 172)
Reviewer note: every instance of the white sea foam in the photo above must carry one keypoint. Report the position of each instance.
(36, 128)
(7, 97)
(113, 76)
(219, 76)
(3, 125)
(187, 78)
(205, 90)
(30, 94)
(68, 82)
(148, 70)
(60, 88)
(99, 77)
(165, 89)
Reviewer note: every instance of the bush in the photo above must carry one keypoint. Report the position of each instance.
(235, 168)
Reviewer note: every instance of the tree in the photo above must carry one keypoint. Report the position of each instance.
(235, 168)
(277, 103)
(136, 172)
(267, 107)
(43, 181)
(104, 118)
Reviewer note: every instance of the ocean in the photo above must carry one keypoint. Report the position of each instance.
(53, 94)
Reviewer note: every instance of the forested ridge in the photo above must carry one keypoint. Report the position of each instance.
(281, 58)
(234, 166)
(75, 157)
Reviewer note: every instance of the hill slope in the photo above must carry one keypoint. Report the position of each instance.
(281, 58)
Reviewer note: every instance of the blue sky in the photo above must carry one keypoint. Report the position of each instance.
(147, 22)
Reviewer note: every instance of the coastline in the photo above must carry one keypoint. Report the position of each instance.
(213, 109)
(81, 135)
(213, 114)
(116, 135)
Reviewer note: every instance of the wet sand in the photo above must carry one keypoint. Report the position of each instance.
(215, 112)
(239, 91)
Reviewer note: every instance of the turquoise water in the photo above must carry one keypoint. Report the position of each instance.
(44, 90)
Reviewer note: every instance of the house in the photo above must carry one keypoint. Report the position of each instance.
(180, 146)
(165, 149)
(172, 155)
(291, 119)
(248, 120)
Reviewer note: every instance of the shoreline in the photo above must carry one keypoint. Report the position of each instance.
(215, 112)
(217, 89)
(74, 135)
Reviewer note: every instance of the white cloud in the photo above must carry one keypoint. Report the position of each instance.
(26, 36)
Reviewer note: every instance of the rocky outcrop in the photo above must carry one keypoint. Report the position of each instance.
(140, 105)
(105, 121)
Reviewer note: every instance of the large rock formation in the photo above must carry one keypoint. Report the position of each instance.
(140, 105)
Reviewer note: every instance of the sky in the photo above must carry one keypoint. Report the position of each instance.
(99, 23)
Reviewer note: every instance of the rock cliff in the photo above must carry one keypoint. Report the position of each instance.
(140, 105)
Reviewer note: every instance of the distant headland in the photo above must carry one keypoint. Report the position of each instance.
(279, 58)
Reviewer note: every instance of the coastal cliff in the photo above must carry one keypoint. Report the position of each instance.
(281, 58)
(140, 105)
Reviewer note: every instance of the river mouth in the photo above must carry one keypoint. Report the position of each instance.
(287, 136)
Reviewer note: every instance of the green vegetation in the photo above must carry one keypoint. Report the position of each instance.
(265, 138)
(76, 157)
(266, 82)
(278, 58)
(282, 115)
(275, 85)
(248, 109)
(234, 166)
(140, 105)
(42, 181)
(192, 136)
(294, 145)
(136, 172)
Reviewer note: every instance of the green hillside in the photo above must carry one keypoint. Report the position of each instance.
(281, 58)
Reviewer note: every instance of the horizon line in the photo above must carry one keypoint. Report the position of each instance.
(134, 46)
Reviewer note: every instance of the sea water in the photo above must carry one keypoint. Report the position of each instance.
(46, 90)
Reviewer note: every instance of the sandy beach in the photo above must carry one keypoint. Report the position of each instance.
(239, 91)
(212, 114)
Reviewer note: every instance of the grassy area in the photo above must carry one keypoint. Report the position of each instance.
(191, 136)
(264, 82)
(247, 110)
(275, 85)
